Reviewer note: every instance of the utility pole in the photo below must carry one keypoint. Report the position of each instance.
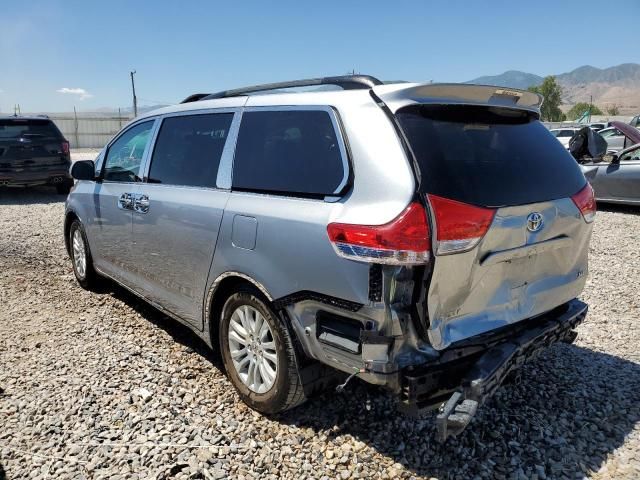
(135, 99)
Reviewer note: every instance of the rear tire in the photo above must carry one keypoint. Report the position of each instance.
(81, 257)
(64, 188)
(258, 353)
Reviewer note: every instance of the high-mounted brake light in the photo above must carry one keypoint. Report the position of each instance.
(459, 226)
(65, 147)
(403, 241)
(585, 200)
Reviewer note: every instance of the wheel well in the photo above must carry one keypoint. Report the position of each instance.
(226, 287)
(68, 220)
(311, 371)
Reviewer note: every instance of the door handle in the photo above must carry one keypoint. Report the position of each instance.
(125, 201)
(141, 204)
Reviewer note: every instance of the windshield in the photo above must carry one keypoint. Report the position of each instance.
(28, 128)
(488, 156)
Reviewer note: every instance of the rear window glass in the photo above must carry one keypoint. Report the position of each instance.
(566, 133)
(488, 156)
(290, 152)
(19, 128)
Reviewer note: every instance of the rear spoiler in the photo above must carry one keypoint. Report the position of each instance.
(400, 95)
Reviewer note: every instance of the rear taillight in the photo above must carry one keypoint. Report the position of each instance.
(403, 241)
(585, 200)
(459, 226)
(65, 147)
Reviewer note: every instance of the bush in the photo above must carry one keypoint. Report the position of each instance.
(579, 108)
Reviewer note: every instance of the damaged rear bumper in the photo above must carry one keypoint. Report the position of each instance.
(469, 372)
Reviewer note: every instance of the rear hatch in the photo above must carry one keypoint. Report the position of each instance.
(509, 241)
(28, 143)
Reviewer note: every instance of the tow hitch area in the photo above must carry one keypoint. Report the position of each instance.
(465, 378)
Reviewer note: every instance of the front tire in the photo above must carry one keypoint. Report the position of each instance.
(81, 257)
(258, 354)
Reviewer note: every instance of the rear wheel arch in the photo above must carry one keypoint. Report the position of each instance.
(222, 288)
(315, 377)
(231, 282)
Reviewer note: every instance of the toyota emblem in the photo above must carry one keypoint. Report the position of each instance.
(534, 222)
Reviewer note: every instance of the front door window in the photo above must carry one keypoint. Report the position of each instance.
(125, 154)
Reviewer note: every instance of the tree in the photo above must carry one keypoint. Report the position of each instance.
(613, 109)
(579, 108)
(552, 93)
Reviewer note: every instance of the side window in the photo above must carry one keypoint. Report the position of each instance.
(290, 152)
(125, 154)
(607, 134)
(188, 149)
(631, 155)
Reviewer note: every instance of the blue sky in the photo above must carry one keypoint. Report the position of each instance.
(55, 55)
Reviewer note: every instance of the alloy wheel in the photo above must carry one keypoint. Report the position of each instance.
(253, 349)
(79, 253)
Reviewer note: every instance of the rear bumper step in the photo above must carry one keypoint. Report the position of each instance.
(480, 375)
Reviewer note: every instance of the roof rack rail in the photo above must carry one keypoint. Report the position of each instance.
(194, 98)
(347, 82)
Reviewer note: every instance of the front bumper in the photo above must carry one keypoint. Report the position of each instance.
(469, 372)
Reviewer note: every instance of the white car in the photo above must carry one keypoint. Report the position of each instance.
(596, 127)
(615, 139)
(564, 135)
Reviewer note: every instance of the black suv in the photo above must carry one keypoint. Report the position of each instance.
(33, 152)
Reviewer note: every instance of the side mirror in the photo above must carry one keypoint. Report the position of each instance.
(611, 158)
(83, 170)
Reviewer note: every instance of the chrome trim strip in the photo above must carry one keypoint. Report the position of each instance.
(146, 157)
(216, 283)
(225, 168)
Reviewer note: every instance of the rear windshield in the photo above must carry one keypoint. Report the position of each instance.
(488, 156)
(566, 133)
(16, 128)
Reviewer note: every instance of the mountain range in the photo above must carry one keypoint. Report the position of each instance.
(619, 85)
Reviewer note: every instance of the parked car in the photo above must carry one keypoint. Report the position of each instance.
(33, 152)
(597, 126)
(616, 140)
(564, 135)
(397, 233)
(615, 178)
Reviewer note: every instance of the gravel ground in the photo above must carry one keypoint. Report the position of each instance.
(103, 386)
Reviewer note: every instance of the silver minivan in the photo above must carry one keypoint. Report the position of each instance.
(425, 238)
